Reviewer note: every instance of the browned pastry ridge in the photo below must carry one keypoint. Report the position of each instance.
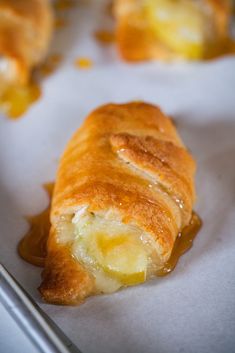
(25, 33)
(124, 171)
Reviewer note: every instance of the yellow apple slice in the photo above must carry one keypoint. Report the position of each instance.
(121, 256)
(180, 25)
(118, 256)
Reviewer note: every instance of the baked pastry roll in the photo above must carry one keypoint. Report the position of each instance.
(168, 29)
(25, 32)
(124, 190)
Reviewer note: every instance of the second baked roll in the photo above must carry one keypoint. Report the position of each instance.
(25, 33)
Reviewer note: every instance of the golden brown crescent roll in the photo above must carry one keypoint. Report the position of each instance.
(25, 32)
(124, 190)
(168, 29)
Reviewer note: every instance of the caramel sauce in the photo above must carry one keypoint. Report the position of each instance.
(109, 8)
(64, 4)
(60, 23)
(32, 248)
(105, 37)
(227, 47)
(83, 63)
(183, 243)
(16, 100)
(50, 65)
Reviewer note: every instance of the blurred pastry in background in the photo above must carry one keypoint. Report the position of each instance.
(25, 33)
(171, 29)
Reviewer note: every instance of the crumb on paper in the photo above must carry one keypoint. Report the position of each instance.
(83, 63)
(104, 36)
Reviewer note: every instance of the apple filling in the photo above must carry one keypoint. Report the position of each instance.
(7, 69)
(182, 25)
(116, 254)
(15, 97)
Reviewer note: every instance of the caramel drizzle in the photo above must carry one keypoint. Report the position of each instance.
(227, 47)
(183, 243)
(104, 36)
(17, 99)
(61, 5)
(60, 23)
(32, 248)
(50, 65)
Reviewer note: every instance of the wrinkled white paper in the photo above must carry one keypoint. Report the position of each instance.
(193, 309)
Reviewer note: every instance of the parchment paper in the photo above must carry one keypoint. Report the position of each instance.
(193, 309)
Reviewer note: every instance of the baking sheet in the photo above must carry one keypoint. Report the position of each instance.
(193, 309)
(10, 327)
